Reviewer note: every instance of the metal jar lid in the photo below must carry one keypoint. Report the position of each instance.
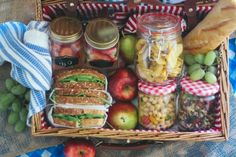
(101, 33)
(65, 29)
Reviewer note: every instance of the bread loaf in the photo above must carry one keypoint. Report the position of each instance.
(210, 32)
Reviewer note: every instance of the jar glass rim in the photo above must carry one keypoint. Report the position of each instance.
(159, 23)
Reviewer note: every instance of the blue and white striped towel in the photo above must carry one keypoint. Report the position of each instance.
(27, 49)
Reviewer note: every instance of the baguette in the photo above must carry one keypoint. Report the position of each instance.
(213, 30)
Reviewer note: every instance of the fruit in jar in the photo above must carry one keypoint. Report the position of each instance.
(123, 85)
(123, 115)
(79, 148)
(210, 58)
(197, 75)
(189, 59)
(210, 78)
(199, 58)
(127, 48)
(66, 51)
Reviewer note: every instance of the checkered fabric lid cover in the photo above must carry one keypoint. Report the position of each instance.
(199, 88)
(151, 89)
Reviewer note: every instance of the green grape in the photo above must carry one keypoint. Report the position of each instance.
(13, 117)
(23, 114)
(9, 83)
(210, 78)
(27, 96)
(18, 90)
(189, 60)
(210, 58)
(5, 101)
(197, 75)
(16, 105)
(193, 67)
(199, 58)
(212, 69)
(20, 126)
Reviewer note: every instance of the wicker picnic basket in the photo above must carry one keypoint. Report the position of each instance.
(190, 10)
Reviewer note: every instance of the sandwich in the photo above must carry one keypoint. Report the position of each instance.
(77, 117)
(81, 97)
(81, 78)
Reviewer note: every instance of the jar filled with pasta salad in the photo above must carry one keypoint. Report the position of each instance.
(159, 48)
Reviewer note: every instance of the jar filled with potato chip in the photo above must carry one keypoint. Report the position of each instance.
(102, 43)
(66, 35)
(198, 109)
(157, 105)
(159, 48)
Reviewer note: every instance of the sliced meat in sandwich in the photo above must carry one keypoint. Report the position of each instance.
(81, 78)
(78, 118)
(81, 96)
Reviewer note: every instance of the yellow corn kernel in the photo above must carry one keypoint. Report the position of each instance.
(153, 119)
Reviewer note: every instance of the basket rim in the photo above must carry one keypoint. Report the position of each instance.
(112, 134)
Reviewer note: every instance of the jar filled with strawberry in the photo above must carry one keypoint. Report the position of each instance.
(157, 105)
(102, 48)
(159, 48)
(66, 36)
(197, 105)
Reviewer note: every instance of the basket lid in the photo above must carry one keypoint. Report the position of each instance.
(199, 88)
(153, 89)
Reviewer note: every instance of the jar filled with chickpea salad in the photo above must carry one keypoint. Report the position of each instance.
(157, 105)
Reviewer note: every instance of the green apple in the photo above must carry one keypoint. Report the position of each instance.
(123, 115)
(127, 48)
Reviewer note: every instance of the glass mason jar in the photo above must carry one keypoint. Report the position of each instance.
(159, 48)
(156, 105)
(66, 35)
(102, 38)
(197, 105)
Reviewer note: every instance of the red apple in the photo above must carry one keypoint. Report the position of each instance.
(79, 148)
(123, 85)
(123, 115)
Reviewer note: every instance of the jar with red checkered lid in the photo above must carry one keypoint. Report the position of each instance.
(157, 105)
(197, 104)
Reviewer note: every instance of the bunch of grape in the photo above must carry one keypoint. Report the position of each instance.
(202, 66)
(13, 100)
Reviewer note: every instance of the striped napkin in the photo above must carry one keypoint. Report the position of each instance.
(27, 49)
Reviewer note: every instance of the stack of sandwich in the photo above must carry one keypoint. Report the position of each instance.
(80, 99)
